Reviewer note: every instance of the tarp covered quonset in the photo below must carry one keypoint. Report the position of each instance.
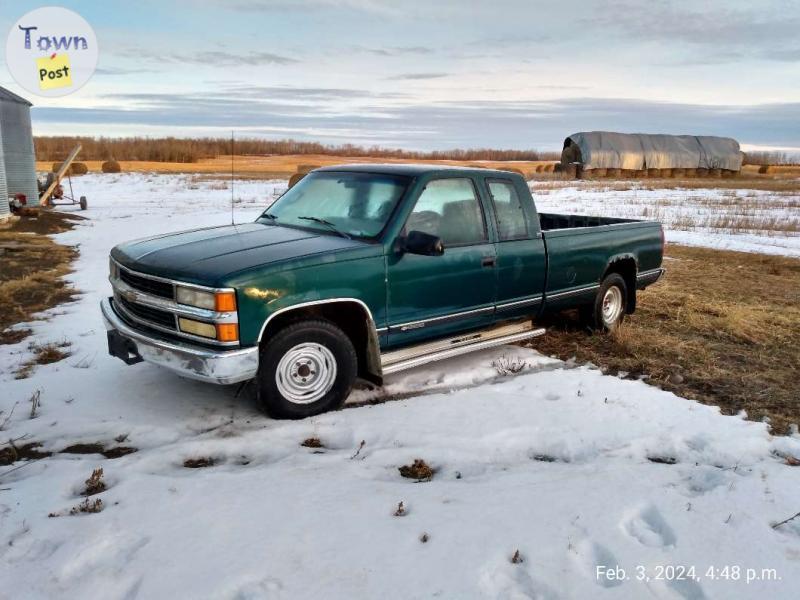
(638, 151)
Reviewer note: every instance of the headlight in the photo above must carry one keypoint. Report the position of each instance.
(193, 297)
(198, 328)
(219, 301)
(222, 332)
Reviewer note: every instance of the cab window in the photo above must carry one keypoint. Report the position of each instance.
(449, 209)
(512, 223)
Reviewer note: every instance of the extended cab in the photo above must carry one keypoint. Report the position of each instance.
(365, 270)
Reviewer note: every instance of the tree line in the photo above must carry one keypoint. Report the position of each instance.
(189, 150)
(771, 157)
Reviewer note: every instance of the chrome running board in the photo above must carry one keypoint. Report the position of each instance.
(414, 356)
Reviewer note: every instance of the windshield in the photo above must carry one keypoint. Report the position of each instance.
(349, 204)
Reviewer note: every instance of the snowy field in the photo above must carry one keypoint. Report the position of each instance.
(576, 470)
(733, 219)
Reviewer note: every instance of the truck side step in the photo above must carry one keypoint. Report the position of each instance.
(414, 356)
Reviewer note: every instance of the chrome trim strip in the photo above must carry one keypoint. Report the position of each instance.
(131, 294)
(650, 273)
(381, 330)
(575, 292)
(452, 352)
(452, 316)
(528, 301)
(317, 303)
(172, 281)
(204, 364)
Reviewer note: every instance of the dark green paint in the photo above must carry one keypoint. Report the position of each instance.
(274, 267)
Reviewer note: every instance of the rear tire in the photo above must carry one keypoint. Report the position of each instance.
(305, 369)
(82, 202)
(610, 304)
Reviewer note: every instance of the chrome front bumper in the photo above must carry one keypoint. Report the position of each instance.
(213, 366)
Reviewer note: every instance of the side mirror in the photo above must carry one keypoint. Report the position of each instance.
(418, 242)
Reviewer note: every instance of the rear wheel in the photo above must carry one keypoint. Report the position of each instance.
(305, 369)
(82, 202)
(610, 304)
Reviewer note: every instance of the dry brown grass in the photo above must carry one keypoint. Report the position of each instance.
(31, 279)
(43, 354)
(264, 167)
(722, 328)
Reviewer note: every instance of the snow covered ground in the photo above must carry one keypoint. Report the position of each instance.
(575, 469)
(740, 219)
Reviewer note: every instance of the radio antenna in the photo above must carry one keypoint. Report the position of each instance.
(232, 222)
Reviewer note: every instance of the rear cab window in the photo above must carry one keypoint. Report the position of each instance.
(514, 217)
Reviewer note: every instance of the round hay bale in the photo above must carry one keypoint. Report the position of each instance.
(627, 173)
(640, 173)
(679, 172)
(666, 172)
(550, 167)
(654, 172)
(557, 168)
(306, 168)
(701, 172)
(539, 168)
(295, 178)
(513, 170)
(613, 172)
(596, 172)
(110, 166)
(715, 172)
(690, 173)
(728, 174)
(76, 168)
(765, 169)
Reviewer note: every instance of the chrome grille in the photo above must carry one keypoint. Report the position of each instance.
(153, 315)
(145, 284)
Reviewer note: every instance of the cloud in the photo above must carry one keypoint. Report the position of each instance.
(379, 7)
(520, 124)
(213, 58)
(220, 58)
(397, 50)
(713, 33)
(413, 76)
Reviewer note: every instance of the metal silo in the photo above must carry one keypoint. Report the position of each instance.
(17, 147)
(4, 212)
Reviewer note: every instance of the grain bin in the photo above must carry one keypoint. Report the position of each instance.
(16, 135)
(4, 210)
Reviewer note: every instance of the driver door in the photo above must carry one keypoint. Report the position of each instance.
(432, 296)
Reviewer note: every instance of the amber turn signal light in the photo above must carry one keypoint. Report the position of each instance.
(227, 332)
(225, 301)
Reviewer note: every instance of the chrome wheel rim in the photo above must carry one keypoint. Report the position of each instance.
(612, 306)
(306, 373)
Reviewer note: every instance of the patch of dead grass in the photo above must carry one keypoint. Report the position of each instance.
(43, 354)
(34, 266)
(721, 327)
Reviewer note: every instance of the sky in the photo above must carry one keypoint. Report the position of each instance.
(432, 74)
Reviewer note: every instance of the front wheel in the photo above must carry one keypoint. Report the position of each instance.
(305, 369)
(610, 304)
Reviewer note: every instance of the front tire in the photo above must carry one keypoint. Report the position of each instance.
(307, 368)
(610, 304)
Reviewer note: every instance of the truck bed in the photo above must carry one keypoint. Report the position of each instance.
(550, 221)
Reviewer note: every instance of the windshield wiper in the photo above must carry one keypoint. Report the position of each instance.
(269, 216)
(328, 224)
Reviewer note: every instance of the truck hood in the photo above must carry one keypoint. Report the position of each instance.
(208, 256)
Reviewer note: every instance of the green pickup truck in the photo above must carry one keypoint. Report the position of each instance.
(366, 270)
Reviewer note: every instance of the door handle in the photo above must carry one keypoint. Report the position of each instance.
(488, 261)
